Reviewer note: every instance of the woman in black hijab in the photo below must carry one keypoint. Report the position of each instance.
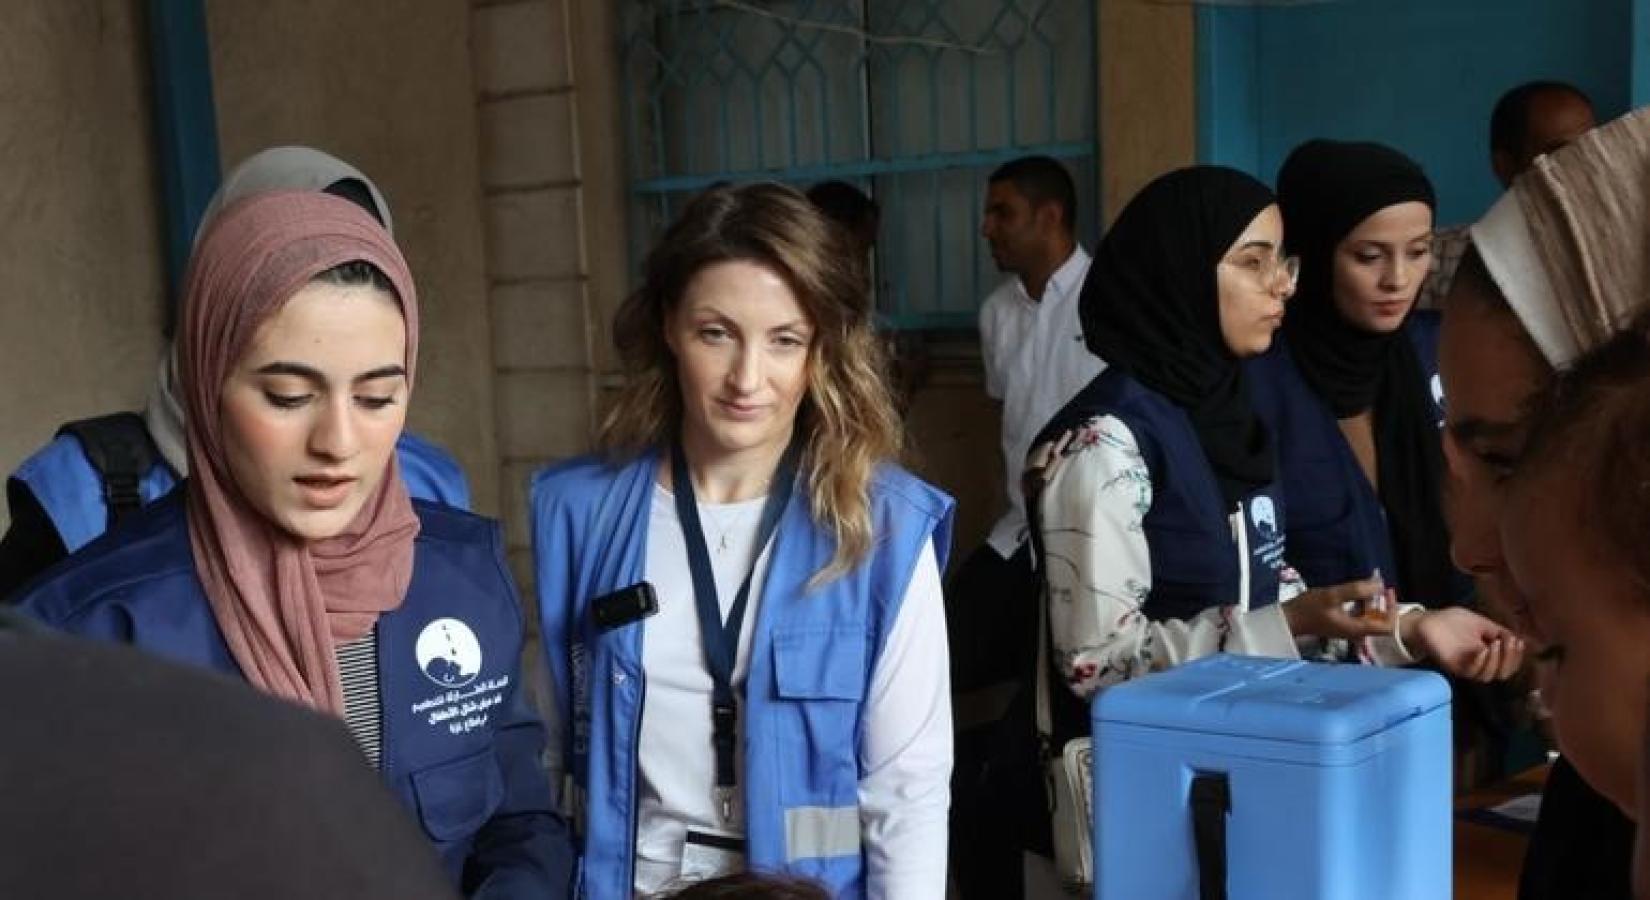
(1352, 395)
(1161, 531)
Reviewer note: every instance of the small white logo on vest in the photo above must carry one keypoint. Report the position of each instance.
(1264, 516)
(448, 653)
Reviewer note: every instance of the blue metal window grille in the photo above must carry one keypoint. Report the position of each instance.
(913, 101)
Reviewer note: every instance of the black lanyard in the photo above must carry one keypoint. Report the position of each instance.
(722, 641)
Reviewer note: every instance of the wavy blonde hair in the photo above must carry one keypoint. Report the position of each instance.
(846, 419)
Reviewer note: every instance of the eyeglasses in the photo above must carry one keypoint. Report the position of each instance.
(1265, 270)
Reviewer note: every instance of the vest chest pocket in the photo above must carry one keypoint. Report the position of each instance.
(820, 662)
(456, 798)
(1194, 556)
(1192, 570)
(1317, 496)
(819, 678)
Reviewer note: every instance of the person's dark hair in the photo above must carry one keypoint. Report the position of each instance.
(1473, 279)
(1594, 421)
(1042, 180)
(843, 203)
(747, 886)
(355, 191)
(1510, 119)
(356, 273)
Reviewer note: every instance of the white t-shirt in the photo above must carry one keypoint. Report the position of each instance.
(905, 754)
(1035, 360)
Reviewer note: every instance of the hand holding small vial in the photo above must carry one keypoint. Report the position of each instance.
(1379, 606)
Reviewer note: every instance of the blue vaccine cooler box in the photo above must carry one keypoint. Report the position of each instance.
(1303, 781)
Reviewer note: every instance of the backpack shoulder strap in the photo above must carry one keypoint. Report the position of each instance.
(120, 449)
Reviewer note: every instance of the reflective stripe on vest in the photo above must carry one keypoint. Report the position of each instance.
(819, 831)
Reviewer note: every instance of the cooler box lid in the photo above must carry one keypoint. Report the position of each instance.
(1273, 699)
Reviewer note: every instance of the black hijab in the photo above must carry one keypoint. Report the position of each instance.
(1151, 307)
(1326, 188)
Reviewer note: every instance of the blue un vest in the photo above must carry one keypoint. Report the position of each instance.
(1197, 560)
(461, 748)
(68, 488)
(811, 659)
(1337, 526)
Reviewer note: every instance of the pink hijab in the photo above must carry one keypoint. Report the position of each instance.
(283, 602)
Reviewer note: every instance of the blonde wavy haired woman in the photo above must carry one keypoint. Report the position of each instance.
(740, 593)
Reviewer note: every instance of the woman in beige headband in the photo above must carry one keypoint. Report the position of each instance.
(1559, 267)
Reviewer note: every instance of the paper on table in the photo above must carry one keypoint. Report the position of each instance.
(1518, 814)
(1522, 809)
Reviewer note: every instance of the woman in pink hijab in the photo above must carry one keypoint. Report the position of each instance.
(293, 556)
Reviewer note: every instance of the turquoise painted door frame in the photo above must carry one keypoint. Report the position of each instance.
(186, 127)
(1641, 53)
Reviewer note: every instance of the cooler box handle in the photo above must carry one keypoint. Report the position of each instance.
(1211, 799)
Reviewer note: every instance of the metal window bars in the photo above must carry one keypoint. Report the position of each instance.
(914, 101)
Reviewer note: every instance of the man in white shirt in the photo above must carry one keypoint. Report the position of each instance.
(1035, 360)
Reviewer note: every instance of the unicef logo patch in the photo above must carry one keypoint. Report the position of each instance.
(448, 653)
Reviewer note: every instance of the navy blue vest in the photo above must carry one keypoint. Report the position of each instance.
(1337, 527)
(1198, 560)
(461, 748)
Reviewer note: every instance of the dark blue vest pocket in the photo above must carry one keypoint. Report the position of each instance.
(1192, 570)
(1192, 556)
(456, 798)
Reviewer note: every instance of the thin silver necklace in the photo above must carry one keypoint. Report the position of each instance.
(744, 506)
(724, 528)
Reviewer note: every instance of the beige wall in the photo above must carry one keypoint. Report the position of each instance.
(82, 304)
(954, 431)
(602, 155)
(554, 252)
(1148, 95)
(390, 91)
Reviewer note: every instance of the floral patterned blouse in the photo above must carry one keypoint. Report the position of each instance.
(1095, 494)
